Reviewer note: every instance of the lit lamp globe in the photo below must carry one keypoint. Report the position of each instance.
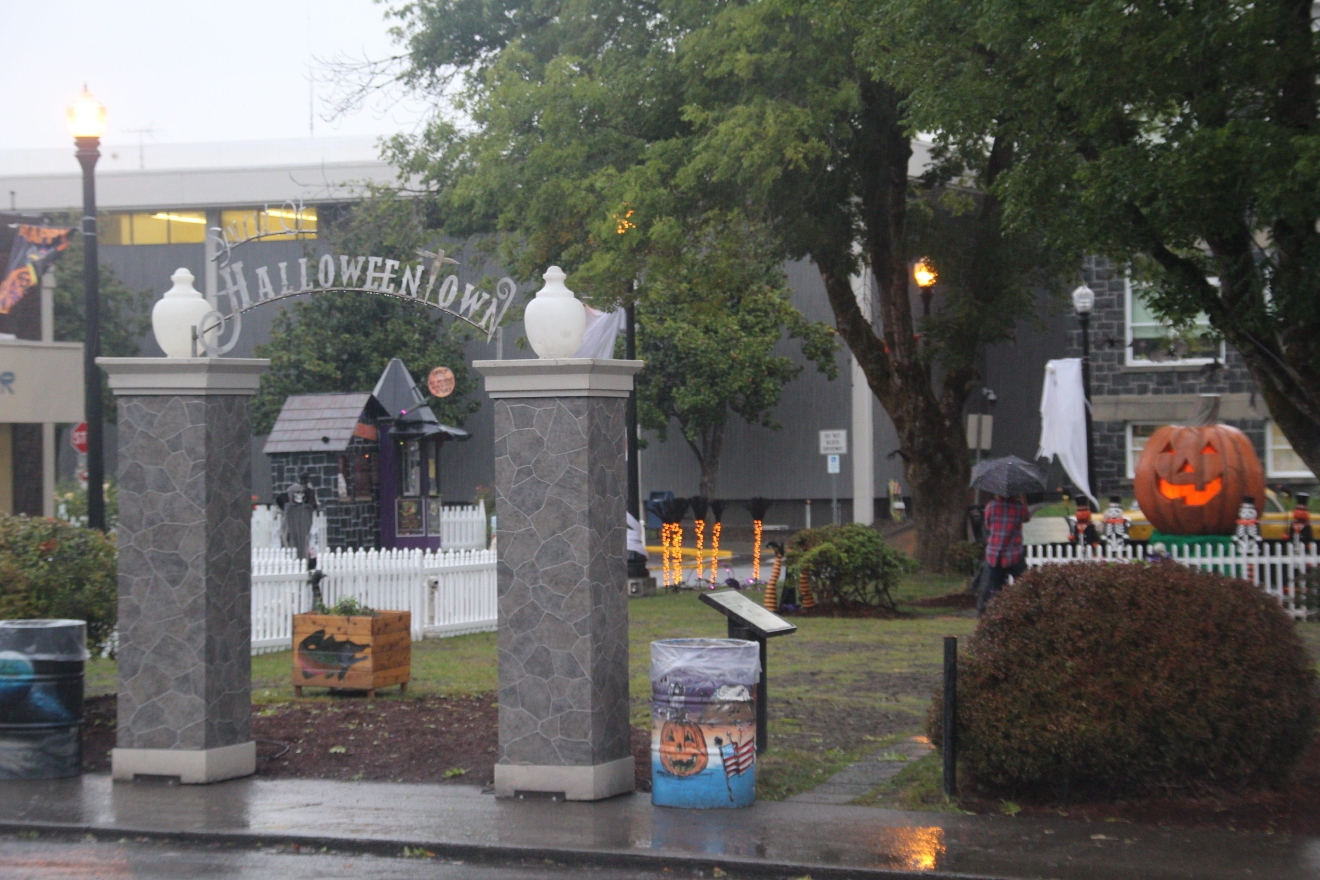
(176, 314)
(1083, 300)
(86, 116)
(555, 319)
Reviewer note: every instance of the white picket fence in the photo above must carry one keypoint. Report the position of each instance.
(450, 592)
(462, 527)
(1279, 568)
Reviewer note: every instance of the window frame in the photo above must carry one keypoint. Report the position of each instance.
(1129, 353)
(1130, 463)
(1270, 470)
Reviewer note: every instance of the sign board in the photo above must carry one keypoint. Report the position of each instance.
(834, 442)
(831, 464)
(78, 438)
(980, 431)
(418, 281)
(41, 381)
(737, 607)
(440, 382)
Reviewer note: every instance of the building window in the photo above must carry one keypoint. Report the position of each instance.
(1280, 459)
(411, 465)
(154, 227)
(272, 224)
(1137, 435)
(1152, 341)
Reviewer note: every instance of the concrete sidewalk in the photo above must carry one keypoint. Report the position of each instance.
(777, 839)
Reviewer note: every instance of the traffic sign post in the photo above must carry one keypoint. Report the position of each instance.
(78, 438)
(833, 445)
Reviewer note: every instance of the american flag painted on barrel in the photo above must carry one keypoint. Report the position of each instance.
(738, 757)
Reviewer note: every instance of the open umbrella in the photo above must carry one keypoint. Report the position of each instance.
(1008, 476)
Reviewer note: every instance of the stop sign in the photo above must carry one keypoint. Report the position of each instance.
(79, 438)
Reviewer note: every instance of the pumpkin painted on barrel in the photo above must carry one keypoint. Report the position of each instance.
(1191, 479)
(682, 748)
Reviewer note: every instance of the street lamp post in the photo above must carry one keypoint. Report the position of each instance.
(1083, 302)
(87, 123)
(925, 275)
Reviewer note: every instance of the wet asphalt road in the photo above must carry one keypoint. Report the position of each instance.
(57, 858)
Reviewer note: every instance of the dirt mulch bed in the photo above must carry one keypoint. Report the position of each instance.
(434, 739)
(1292, 808)
(961, 600)
(855, 612)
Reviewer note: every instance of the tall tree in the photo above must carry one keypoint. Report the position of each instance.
(711, 309)
(1181, 139)
(580, 113)
(787, 103)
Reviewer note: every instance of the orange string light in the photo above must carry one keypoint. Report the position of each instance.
(714, 553)
(756, 550)
(678, 553)
(700, 525)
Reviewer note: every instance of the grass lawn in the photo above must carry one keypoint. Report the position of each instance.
(839, 688)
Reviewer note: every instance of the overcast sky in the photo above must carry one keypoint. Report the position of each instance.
(191, 70)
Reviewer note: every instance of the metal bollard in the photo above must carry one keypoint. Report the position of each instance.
(950, 716)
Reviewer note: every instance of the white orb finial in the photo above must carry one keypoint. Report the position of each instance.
(555, 319)
(176, 314)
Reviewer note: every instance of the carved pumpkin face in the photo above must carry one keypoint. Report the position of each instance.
(1191, 480)
(682, 748)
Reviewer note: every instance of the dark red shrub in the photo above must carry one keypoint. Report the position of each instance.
(1128, 678)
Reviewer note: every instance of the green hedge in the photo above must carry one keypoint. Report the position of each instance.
(1128, 679)
(850, 566)
(51, 569)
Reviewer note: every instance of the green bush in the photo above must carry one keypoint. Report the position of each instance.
(965, 557)
(1127, 679)
(51, 569)
(850, 566)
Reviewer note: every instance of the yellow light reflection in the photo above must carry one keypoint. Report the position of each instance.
(915, 848)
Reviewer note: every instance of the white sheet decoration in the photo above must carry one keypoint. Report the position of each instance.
(636, 538)
(602, 329)
(1063, 421)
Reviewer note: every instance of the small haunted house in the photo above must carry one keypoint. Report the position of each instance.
(373, 460)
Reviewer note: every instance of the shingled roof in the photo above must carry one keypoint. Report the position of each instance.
(318, 422)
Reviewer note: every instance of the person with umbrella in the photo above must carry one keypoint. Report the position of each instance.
(1009, 480)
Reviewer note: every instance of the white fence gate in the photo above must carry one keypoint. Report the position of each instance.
(462, 527)
(450, 592)
(1279, 568)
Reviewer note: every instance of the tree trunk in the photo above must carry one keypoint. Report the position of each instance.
(708, 450)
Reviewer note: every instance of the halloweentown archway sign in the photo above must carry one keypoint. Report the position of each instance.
(417, 282)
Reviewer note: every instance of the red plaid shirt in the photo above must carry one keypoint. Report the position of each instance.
(1003, 531)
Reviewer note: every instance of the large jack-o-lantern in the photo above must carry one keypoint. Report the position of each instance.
(683, 748)
(1191, 479)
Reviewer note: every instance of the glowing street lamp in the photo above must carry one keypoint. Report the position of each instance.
(86, 117)
(925, 275)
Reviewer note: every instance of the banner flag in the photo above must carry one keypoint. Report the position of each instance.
(35, 248)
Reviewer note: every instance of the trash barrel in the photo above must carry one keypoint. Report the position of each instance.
(41, 698)
(703, 722)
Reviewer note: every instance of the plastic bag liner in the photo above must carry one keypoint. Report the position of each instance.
(58, 640)
(728, 661)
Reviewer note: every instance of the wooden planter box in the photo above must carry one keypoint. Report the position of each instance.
(359, 653)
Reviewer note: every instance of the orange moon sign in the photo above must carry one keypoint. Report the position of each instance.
(441, 382)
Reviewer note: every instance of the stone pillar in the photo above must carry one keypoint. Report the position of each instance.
(561, 482)
(185, 619)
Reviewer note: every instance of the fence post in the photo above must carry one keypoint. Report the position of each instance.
(950, 715)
